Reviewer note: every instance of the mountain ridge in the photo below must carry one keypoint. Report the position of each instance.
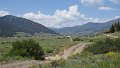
(12, 24)
(86, 29)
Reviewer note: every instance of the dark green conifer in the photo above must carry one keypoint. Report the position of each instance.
(112, 29)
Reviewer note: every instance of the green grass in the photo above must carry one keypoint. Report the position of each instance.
(55, 45)
(50, 45)
(104, 46)
(47, 43)
(86, 61)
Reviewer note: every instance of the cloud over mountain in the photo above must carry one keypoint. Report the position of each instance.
(3, 13)
(60, 18)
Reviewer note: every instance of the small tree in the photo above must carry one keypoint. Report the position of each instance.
(118, 26)
(112, 29)
(27, 48)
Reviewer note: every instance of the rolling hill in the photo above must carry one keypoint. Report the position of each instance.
(9, 25)
(86, 29)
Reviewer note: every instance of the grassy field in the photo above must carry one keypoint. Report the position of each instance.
(110, 59)
(50, 45)
(56, 44)
(86, 60)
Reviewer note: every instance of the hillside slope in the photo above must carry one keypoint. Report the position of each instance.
(9, 25)
(86, 29)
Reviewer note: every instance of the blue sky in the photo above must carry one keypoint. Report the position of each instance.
(62, 13)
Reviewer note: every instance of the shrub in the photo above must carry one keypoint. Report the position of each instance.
(59, 38)
(77, 39)
(90, 40)
(110, 54)
(54, 64)
(27, 48)
(49, 50)
(105, 46)
(57, 63)
(3, 43)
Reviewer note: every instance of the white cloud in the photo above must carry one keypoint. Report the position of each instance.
(106, 8)
(115, 1)
(61, 18)
(91, 2)
(3, 13)
(117, 17)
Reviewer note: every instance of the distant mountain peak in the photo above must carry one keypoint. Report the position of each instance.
(9, 16)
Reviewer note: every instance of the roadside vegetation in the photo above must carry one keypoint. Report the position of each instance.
(104, 46)
(103, 53)
(87, 60)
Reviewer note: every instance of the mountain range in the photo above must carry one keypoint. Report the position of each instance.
(9, 25)
(86, 29)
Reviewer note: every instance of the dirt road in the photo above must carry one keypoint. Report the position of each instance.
(73, 50)
(67, 53)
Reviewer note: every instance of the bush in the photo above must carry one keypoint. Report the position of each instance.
(105, 46)
(3, 43)
(57, 63)
(59, 38)
(54, 64)
(90, 40)
(49, 50)
(77, 39)
(27, 48)
(110, 54)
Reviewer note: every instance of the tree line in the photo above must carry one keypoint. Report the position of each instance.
(114, 28)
